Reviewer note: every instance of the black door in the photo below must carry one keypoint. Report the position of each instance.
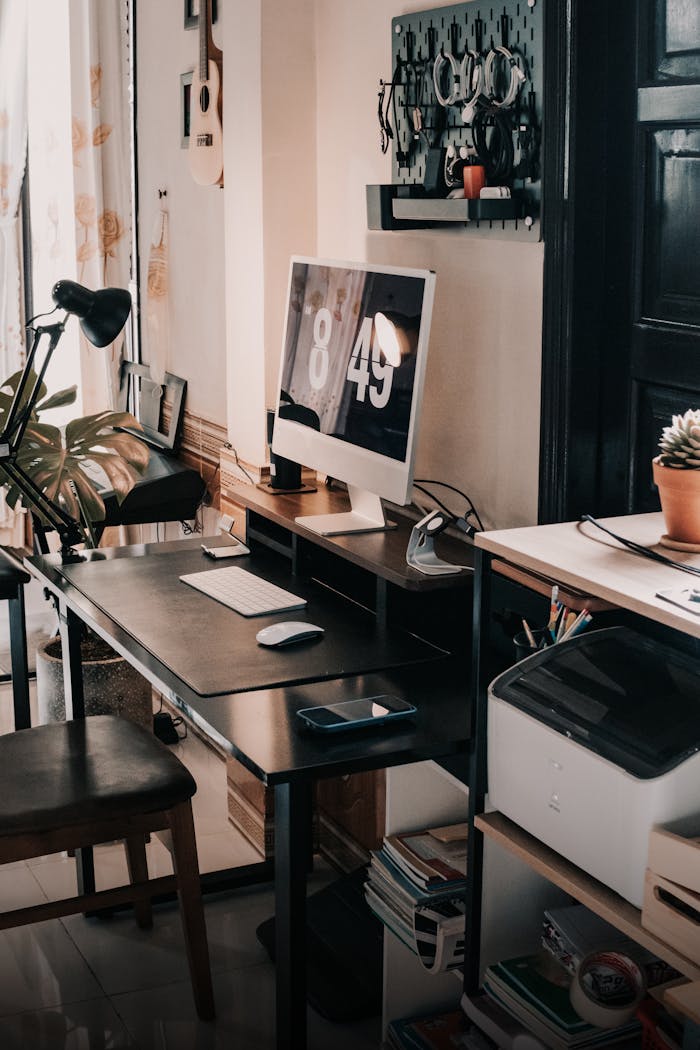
(621, 340)
(665, 336)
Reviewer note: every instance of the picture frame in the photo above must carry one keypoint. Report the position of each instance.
(192, 13)
(185, 107)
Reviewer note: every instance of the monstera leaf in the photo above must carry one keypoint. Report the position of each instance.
(9, 389)
(63, 465)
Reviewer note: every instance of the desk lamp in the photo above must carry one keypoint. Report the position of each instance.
(102, 316)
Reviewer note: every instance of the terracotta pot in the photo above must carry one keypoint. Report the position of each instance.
(110, 684)
(679, 491)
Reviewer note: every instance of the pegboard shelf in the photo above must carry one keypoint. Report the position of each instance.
(466, 87)
(388, 211)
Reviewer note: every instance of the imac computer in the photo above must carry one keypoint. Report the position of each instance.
(351, 382)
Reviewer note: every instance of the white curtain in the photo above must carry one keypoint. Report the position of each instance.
(13, 145)
(101, 167)
(13, 152)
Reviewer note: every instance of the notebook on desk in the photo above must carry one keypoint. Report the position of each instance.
(213, 649)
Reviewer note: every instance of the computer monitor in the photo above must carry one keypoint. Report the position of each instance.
(351, 382)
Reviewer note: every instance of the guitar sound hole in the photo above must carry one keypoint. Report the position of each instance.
(204, 98)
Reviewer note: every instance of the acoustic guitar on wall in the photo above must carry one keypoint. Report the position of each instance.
(206, 153)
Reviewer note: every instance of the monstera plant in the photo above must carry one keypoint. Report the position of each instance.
(64, 463)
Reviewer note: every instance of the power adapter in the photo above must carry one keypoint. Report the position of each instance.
(164, 728)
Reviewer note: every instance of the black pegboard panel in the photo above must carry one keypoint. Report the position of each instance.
(417, 39)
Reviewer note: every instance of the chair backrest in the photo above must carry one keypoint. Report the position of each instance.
(142, 397)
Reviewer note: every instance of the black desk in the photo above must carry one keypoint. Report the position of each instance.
(280, 755)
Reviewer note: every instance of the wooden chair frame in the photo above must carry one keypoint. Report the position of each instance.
(133, 830)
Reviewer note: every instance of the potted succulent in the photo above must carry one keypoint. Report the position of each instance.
(677, 475)
(62, 463)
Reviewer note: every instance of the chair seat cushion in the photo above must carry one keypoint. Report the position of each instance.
(93, 769)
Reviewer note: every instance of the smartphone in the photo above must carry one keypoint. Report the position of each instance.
(356, 714)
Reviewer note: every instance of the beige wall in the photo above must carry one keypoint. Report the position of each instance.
(197, 279)
(301, 142)
(480, 422)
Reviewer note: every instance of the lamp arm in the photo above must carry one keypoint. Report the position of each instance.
(19, 415)
(69, 530)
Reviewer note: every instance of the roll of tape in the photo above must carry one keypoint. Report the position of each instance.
(607, 989)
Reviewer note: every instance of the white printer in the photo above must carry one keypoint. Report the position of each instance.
(591, 742)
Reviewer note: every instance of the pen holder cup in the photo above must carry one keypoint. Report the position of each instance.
(522, 645)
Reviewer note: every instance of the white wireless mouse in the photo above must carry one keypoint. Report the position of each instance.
(287, 632)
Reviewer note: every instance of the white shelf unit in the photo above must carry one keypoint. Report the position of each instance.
(425, 795)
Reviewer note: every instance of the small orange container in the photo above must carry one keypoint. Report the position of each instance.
(474, 180)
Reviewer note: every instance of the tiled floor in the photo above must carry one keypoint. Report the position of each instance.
(78, 984)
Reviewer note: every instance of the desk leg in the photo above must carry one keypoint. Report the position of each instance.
(292, 821)
(477, 771)
(18, 660)
(71, 633)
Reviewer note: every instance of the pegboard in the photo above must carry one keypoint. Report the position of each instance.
(418, 38)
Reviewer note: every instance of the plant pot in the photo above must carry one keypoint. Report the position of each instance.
(679, 491)
(111, 685)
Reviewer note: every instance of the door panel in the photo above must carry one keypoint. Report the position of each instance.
(671, 259)
(664, 376)
(677, 38)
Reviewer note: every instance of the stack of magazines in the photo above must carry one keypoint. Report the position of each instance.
(534, 989)
(570, 933)
(415, 886)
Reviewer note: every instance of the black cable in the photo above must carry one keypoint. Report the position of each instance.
(419, 482)
(390, 102)
(46, 313)
(385, 134)
(495, 150)
(639, 548)
(237, 461)
(403, 157)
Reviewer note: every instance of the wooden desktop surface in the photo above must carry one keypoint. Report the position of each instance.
(579, 555)
(382, 553)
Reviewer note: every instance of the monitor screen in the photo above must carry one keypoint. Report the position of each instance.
(351, 376)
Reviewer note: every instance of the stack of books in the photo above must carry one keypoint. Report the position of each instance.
(534, 989)
(437, 1032)
(415, 886)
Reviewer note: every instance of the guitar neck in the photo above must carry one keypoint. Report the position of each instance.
(204, 34)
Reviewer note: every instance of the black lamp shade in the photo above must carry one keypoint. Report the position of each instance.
(102, 314)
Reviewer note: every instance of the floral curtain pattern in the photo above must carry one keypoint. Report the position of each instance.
(13, 152)
(13, 145)
(101, 171)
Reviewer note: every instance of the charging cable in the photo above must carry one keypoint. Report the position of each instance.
(441, 59)
(472, 79)
(639, 548)
(517, 77)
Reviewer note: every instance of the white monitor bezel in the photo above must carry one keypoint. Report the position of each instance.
(391, 479)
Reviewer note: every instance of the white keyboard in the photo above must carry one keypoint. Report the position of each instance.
(243, 592)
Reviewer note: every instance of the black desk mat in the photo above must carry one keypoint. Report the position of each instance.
(213, 649)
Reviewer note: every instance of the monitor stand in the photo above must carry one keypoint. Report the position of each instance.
(367, 515)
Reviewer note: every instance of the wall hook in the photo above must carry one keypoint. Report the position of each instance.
(162, 193)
